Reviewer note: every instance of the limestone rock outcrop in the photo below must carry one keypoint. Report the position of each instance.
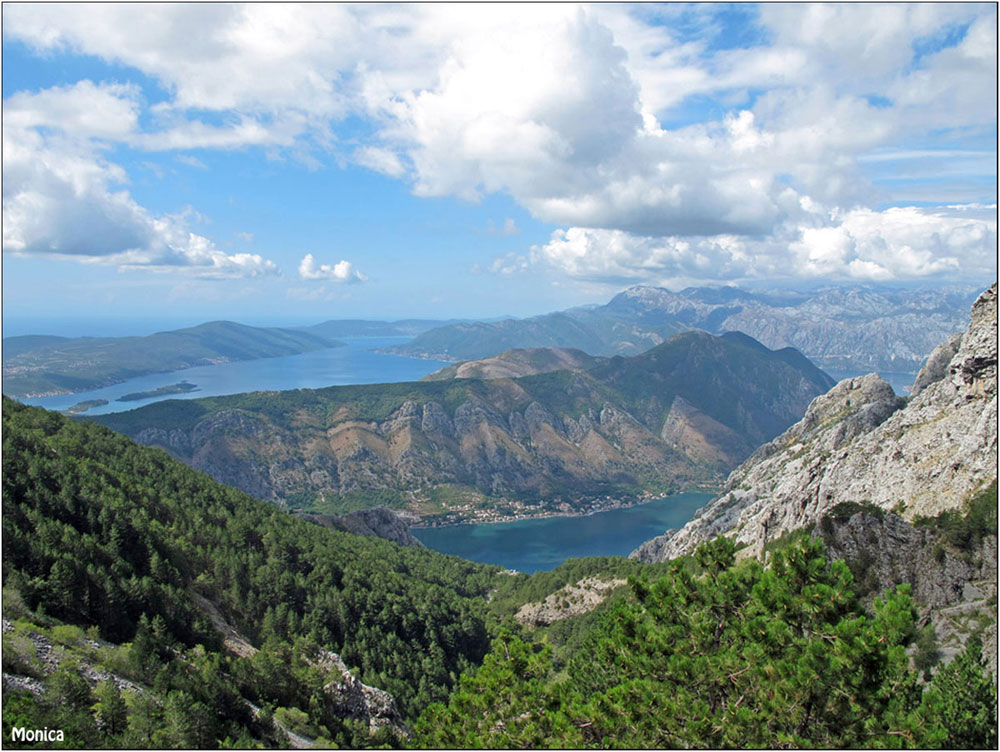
(380, 522)
(860, 443)
(350, 698)
(955, 590)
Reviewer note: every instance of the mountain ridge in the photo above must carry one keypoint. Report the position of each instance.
(858, 328)
(581, 433)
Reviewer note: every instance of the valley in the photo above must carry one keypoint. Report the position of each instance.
(539, 543)
(284, 630)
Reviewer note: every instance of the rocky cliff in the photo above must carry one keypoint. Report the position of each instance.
(955, 587)
(380, 522)
(860, 443)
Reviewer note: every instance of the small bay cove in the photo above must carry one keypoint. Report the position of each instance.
(545, 543)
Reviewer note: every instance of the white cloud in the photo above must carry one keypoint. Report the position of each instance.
(511, 263)
(861, 244)
(187, 159)
(380, 160)
(84, 110)
(564, 108)
(63, 198)
(342, 271)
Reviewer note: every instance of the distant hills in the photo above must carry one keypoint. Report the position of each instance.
(852, 328)
(858, 329)
(43, 365)
(680, 414)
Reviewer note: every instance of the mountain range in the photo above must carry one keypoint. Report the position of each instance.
(860, 443)
(677, 415)
(147, 606)
(859, 329)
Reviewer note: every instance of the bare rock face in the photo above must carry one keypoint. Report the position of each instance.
(955, 590)
(860, 443)
(936, 367)
(350, 698)
(380, 522)
(571, 600)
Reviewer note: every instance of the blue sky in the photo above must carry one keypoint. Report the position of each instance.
(283, 163)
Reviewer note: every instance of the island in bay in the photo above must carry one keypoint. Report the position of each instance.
(82, 407)
(181, 387)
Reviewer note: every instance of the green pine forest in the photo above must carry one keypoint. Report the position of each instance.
(110, 547)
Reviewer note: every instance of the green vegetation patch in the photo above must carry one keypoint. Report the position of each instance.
(350, 501)
(843, 511)
(181, 387)
(724, 655)
(111, 538)
(965, 529)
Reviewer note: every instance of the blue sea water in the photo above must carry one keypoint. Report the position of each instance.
(543, 544)
(353, 364)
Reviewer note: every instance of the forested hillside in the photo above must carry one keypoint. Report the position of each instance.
(721, 655)
(130, 545)
(147, 606)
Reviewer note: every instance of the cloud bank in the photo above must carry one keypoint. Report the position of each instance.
(63, 198)
(665, 142)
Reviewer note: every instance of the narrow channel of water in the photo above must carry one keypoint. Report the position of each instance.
(353, 364)
(542, 544)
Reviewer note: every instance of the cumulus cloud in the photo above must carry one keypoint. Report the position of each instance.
(342, 271)
(586, 116)
(380, 160)
(62, 197)
(860, 244)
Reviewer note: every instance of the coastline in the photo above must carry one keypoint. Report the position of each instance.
(491, 517)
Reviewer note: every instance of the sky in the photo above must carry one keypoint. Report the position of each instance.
(281, 163)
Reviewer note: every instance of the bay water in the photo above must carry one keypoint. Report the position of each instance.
(356, 363)
(543, 544)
